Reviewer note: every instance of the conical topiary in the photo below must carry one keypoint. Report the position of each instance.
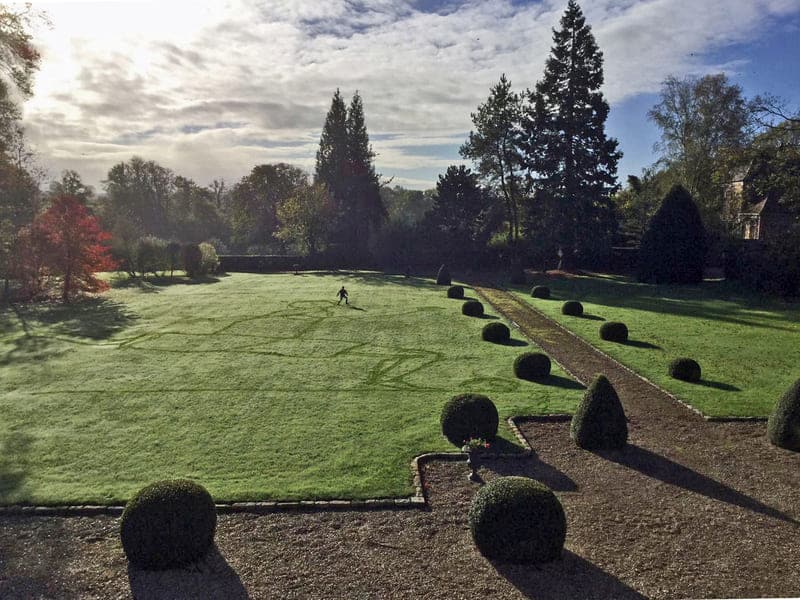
(443, 276)
(599, 422)
(673, 249)
(783, 427)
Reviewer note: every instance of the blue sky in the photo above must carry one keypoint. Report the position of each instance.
(211, 89)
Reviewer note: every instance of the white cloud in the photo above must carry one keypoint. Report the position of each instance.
(212, 88)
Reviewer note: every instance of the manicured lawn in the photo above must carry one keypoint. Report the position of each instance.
(257, 386)
(748, 347)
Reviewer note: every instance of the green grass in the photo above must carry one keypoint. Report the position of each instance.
(257, 386)
(748, 347)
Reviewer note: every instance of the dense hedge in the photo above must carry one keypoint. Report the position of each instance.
(496, 332)
(192, 260)
(518, 520)
(685, 369)
(599, 422)
(455, 291)
(443, 276)
(572, 308)
(783, 426)
(469, 416)
(168, 524)
(532, 366)
(518, 276)
(674, 246)
(472, 308)
(540, 291)
(240, 263)
(614, 331)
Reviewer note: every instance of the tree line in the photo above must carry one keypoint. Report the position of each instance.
(542, 188)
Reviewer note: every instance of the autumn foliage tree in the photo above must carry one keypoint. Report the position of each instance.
(66, 244)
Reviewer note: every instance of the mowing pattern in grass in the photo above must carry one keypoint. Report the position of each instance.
(748, 346)
(257, 386)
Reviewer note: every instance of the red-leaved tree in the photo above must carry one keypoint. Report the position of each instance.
(72, 247)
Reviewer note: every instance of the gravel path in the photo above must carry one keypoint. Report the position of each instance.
(689, 509)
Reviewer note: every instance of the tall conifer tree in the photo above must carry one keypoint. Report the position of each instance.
(365, 211)
(345, 164)
(332, 157)
(568, 156)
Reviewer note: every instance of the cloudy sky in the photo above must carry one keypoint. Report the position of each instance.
(211, 89)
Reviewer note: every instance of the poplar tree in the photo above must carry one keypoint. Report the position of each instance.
(569, 158)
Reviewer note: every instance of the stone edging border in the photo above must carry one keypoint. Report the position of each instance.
(709, 418)
(418, 500)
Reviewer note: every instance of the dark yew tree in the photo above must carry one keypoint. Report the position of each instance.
(493, 148)
(673, 249)
(461, 211)
(569, 158)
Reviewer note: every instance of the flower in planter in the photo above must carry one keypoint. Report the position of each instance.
(474, 444)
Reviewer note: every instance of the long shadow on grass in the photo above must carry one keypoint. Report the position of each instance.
(513, 343)
(95, 318)
(376, 279)
(681, 300)
(718, 385)
(158, 283)
(14, 465)
(210, 577)
(561, 382)
(589, 317)
(641, 344)
(663, 469)
(570, 577)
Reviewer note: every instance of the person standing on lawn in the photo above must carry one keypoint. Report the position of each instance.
(342, 296)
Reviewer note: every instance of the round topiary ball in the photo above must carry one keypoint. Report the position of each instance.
(469, 416)
(614, 331)
(496, 332)
(540, 291)
(443, 276)
(783, 426)
(572, 308)
(685, 369)
(518, 520)
(472, 308)
(532, 366)
(168, 524)
(455, 291)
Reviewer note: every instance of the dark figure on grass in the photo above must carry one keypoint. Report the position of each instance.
(342, 293)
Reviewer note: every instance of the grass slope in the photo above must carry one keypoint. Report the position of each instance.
(748, 347)
(258, 386)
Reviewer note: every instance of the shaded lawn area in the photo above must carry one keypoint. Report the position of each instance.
(748, 346)
(257, 386)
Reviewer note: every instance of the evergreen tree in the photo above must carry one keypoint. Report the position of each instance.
(365, 211)
(673, 248)
(567, 154)
(345, 166)
(461, 210)
(332, 154)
